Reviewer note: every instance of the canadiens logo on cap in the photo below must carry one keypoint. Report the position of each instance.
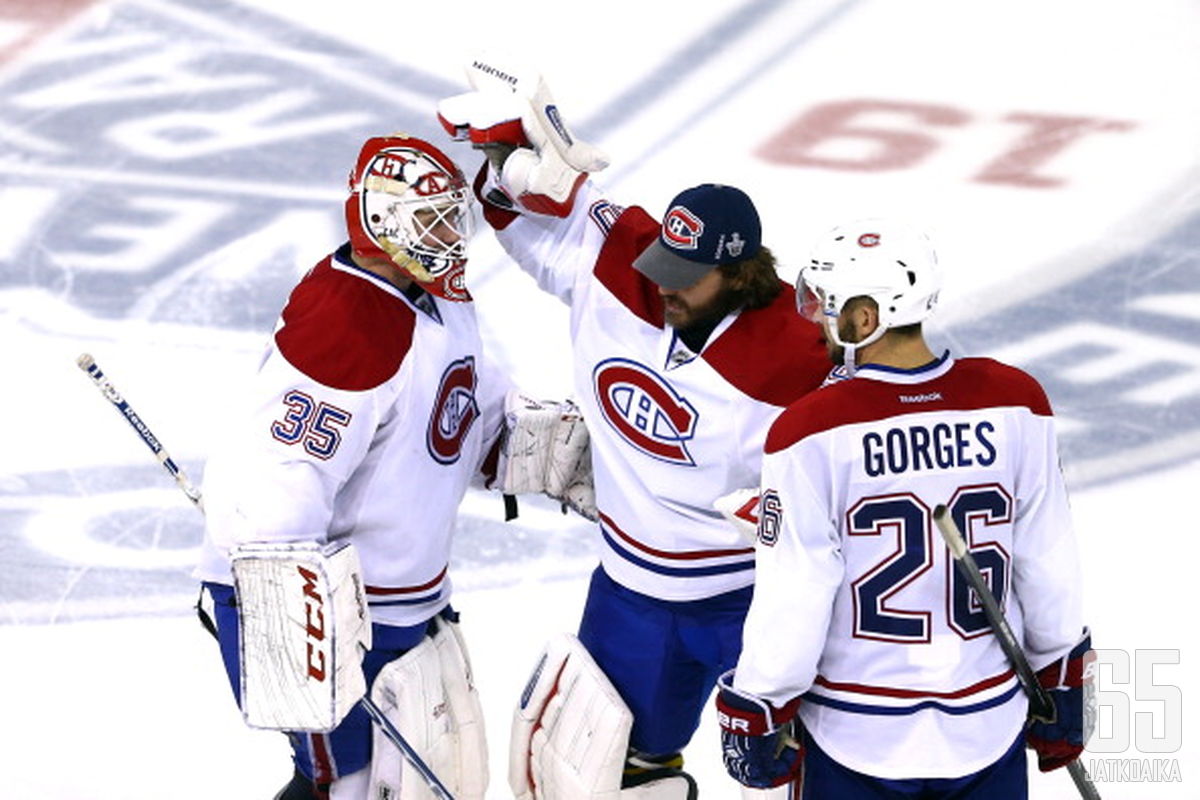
(682, 229)
(868, 240)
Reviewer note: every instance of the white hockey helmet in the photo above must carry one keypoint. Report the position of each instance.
(411, 204)
(891, 263)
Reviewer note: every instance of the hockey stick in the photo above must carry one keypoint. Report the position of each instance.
(1039, 699)
(88, 365)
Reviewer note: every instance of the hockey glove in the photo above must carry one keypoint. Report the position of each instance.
(740, 509)
(546, 448)
(757, 742)
(1070, 683)
(511, 116)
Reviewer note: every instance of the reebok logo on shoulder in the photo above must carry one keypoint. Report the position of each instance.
(929, 397)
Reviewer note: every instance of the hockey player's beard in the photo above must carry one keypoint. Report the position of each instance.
(681, 316)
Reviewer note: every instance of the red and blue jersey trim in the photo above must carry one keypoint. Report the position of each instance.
(677, 564)
(427, 592)
(857, 698)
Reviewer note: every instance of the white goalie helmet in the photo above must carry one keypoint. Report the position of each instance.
(893, 264)
(411, 204)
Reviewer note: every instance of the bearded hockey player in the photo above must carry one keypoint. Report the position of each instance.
(330, 509)
(685, 348)
(868, 663)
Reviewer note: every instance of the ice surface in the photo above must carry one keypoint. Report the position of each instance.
(171, 166)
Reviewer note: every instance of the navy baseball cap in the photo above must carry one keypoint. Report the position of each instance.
(704, 227)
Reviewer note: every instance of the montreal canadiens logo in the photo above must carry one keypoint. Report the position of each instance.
(645, 410)
(682, 229)
(868, 240)
(454, 410)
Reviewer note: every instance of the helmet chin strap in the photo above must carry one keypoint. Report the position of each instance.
(850, 349)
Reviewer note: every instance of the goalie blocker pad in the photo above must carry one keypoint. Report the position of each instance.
(570, 735)
(429, 695)
(303, 627)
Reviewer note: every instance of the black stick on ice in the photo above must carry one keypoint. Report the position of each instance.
(1041, 706)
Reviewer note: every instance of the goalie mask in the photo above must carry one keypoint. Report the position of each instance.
(410, 203)
(892, 264)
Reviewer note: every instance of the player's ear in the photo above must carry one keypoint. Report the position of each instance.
(864, 315)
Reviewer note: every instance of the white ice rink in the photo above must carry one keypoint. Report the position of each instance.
(171, 166)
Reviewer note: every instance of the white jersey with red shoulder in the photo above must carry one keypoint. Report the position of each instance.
(671, 430)
(369, 418)
(858, 605)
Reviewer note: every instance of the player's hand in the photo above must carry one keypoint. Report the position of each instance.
(1070, 682)
(758, 741)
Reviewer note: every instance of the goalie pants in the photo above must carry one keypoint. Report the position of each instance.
(663, 657)
(322, 757)
(1004, 779)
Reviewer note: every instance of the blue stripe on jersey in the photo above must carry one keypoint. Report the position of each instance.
(677, 572)
(862, 708)
(407, 601)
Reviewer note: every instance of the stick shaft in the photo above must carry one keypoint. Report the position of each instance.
(88, 365)
(1039, 699)
(393, 735)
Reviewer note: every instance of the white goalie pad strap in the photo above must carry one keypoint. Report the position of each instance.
(570, 730)
(429, 695)
(546, 448)
(741, 509)
(304, 626)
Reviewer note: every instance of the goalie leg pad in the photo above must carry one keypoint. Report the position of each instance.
(570, 731)
(303, 626)
(429, 695)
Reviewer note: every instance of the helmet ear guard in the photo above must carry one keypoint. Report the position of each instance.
(410, 204)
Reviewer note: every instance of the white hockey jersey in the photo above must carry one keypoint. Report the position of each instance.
(369, 417)
(671, 430)
(857, 603)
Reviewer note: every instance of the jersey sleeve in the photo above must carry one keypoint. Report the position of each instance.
(278, 474)
(558, 253)
(798, 569)
(1047, 577)
(494, 385)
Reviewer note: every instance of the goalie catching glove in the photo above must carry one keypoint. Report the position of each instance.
(545, 448)
(536, 162)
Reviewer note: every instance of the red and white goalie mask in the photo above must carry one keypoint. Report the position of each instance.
(410, 203)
